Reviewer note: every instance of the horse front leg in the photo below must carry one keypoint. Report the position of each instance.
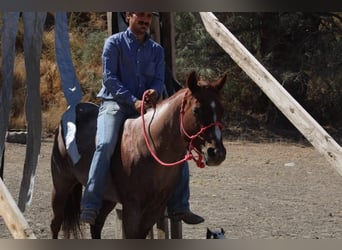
(95, 230)
(131, 220)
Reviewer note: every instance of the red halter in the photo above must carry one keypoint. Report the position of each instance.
(191, 148)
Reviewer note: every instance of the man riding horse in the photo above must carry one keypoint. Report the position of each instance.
(132, 64)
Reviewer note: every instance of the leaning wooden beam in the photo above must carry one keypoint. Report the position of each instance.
(12, 216)
(296, 114)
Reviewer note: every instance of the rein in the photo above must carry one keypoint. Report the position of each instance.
(191, 147)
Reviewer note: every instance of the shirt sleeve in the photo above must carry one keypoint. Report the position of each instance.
(111, 77)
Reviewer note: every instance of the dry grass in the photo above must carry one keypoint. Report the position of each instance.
(52, 98)
(86, 49)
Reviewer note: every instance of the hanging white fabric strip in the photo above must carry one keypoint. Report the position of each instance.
(71, 87)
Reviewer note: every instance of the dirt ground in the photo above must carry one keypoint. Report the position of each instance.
(275, 190)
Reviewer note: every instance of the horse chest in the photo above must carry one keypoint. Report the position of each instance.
(147, 178)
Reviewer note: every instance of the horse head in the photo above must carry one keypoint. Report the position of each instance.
(202, 116)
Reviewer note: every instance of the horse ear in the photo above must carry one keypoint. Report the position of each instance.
(208, 233)
(222, 231)
(220, 82)
(192, 82)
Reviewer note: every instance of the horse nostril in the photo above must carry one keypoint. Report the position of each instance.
(216, 153)
(212, 152)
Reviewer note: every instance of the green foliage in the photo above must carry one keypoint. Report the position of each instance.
(92, 48)
(302, 50)
(195, 48)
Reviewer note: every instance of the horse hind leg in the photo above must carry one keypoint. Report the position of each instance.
(57, 219)
(59, 199)
(72, 210)
(95, 230)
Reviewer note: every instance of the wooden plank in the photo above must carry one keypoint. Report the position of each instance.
(12, 216)
(296, 114)
(119, 231)
(155, 29)
(162, 227)
(112, 23)
(176, 229)
(109, 23)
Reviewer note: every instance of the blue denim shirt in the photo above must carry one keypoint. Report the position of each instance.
(131, 67)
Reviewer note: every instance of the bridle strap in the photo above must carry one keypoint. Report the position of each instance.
(191, 147)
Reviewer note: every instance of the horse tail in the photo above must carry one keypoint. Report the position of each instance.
(72, 210)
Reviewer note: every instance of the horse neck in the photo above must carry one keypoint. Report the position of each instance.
(166, 120)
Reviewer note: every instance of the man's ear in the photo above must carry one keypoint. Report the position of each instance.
(128, 15)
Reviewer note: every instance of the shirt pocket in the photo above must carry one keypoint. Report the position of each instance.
(148, 69)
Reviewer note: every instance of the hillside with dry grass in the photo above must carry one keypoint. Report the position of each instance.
(87, 34)
(300, 49)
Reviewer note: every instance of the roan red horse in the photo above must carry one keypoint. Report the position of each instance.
(146, 164)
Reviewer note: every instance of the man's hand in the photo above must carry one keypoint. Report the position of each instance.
(137, 106)
(151, 97)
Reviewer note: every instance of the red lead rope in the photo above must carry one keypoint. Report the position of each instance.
(191, 149)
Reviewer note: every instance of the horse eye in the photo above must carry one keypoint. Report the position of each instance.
(196, 111)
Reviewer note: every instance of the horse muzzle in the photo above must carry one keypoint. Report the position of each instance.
(214, 155)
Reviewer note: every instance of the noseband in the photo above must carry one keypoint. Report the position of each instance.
(191, 148)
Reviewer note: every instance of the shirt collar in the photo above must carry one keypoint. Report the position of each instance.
(133, 38)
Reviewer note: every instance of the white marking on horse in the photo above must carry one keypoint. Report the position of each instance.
(217, 129)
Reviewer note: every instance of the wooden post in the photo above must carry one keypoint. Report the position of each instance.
(163, 228)
(109, 23)
(12, 216)
(168, 39)
(112, 23)
(297, 115)
(155, 29)
(176, 229)
(119, 223)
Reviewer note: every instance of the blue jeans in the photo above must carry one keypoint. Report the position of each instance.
(109, 121)
(179, 201)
